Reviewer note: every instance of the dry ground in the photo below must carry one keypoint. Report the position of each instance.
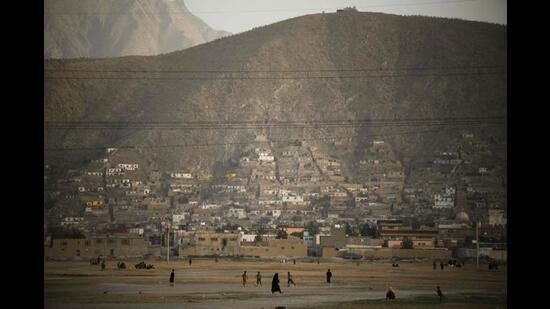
(207, 284)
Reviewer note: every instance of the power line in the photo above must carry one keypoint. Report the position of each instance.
(245, 126)
(379, 120)
(434, 68)
(274, 78)
(266, 11)
(340, 138)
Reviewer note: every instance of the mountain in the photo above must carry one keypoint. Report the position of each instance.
(406, 68)
(114, 28)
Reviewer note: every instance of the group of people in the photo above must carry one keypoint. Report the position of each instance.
(275, 283)
(450, 263)
(275, 287)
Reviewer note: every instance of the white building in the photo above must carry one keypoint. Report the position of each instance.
(178, 219)
(181, 175)
(128, 166)
(238, 213)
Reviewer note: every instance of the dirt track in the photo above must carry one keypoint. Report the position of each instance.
(207, 284)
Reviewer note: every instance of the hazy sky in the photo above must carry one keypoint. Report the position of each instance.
(241, 15)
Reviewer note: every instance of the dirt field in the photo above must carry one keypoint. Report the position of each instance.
(207, 284)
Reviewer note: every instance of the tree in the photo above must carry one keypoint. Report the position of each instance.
(260, 232)
(298, 234)
(407, 243)
(367, 230)
(312, 228)
(281, 234)
(63, 232)
(349, 231)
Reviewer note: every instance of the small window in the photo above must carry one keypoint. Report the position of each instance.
(110, 241)
(125, 242)
(282, 248)
(292, 247)
(64, 243)
(87, 243)
(214, 239)
(98, 241)
(202, 239)
(77, 252)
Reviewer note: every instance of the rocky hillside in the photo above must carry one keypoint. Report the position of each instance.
(346, 66)
(113, 28)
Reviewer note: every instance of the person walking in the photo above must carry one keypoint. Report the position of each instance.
(103, 265)
(329, 276)
(275, 284)
(290, 280)
(442, 266)
(190, 261)
(258, 279)
(435, 265)
(439, 293)
(172, 278)
(245, 276)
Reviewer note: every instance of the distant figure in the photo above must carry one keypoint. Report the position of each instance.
(275, 284)
(98, 259)
(190, 261)
(258, 279)
(294, 261)
(440, 294)
(390, 294)
(103, 265)
(442, 266)
(290, 280)
(216, 259)
(172, 278)
(245, 276)
(329, 275)
(318, 261)
(435, 265)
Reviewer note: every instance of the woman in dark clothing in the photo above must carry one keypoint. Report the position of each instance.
(390, 294)
(172, 278)
(329, 276)
(275, 284)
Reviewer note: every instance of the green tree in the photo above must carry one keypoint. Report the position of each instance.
(64, 232)
(312, 228)
(407, 243)
(368, 230)
(298, 234)
(281, 234)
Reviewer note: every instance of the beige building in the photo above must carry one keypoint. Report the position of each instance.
(113, 246)
(291, 247)
(207, 243)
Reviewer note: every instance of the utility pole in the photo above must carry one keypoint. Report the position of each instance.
(168, 244)
(477, 244)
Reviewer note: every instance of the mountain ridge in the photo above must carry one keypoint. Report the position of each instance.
(330, 41)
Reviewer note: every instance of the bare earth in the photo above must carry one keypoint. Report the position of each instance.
(207, 284)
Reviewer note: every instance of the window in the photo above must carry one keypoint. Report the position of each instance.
(201, 239)
(282, 248)
(98, 241)
(87, 243)
(214, 239)
(292, 247)
(125, 242)
(78, 252)
(110, 241)
(64, 243)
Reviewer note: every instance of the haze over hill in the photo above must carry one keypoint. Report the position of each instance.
(113, 28)
(414, 67)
